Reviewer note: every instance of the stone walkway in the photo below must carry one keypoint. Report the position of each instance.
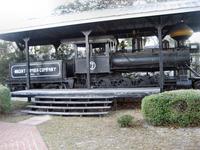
(14, 136)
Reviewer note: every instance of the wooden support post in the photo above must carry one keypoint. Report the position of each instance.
(87, 33)
(115, 101)
(56, 46)
(159, 28)
(76, 50)
(133, 41)
(28, 86)
(28, 78)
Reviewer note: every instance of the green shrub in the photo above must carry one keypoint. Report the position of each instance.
(125, 121)
(180, 107)
(5, 99)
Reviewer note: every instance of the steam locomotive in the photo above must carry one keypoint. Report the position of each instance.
(110, 67)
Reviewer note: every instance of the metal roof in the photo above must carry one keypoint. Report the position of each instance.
(84, 18)
(146, 10)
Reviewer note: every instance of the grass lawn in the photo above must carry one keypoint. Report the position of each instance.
(15, 115)
(99, 133)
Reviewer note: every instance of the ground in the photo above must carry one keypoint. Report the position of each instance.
(98, 133)
(89, 133)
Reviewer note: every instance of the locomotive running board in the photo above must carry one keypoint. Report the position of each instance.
(89, 93)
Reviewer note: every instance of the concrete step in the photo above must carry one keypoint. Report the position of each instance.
(72, 102)
(75, 97)
(70, 105)
(66, 108)
(65, 113)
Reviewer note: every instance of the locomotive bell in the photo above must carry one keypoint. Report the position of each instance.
(181, 32)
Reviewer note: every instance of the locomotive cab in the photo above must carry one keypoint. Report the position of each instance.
(99, 56)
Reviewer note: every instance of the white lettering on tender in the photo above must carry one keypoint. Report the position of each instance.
(46, 69)
(18, 71)
(35, 70)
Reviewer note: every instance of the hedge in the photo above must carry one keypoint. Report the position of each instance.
(5, 99)
(180, 107)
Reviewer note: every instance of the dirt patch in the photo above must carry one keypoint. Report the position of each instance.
(97, 133)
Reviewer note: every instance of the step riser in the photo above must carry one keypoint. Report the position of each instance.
(66, 113)
(82, 108)
(74, 97)
(72, 102)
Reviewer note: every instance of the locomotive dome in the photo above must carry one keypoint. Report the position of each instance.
(181, 31)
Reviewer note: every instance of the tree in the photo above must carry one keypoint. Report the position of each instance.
(64, 52)
(41, 52)
(9, 53)
(85, 5)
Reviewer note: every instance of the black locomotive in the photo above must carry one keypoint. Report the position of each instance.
(110, 67)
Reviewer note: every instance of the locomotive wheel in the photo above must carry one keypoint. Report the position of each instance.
(51, 86)
(197, 85)
(17, 88)
(144, 82)
(124, 83)
(103, 83)
(62, 86)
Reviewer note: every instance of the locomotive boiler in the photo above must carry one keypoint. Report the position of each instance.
(149, 61)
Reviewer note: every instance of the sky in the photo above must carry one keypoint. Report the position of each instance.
(23, 9)
(195, 38)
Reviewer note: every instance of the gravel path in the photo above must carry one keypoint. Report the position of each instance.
(96, 133)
